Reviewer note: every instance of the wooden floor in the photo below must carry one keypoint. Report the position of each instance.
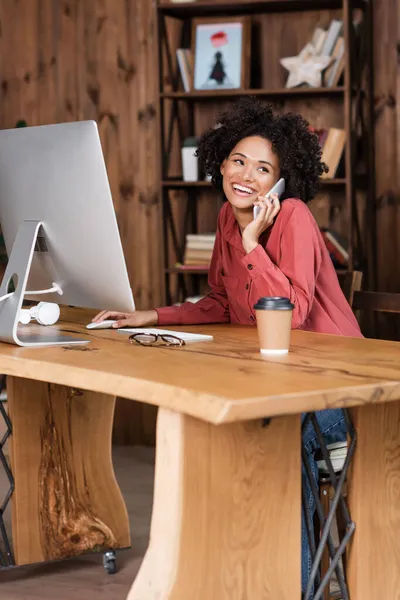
(84, 578)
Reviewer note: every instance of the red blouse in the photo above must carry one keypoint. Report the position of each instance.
(290, 260)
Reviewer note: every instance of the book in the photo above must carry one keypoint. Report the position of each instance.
(197, 256)
(194, 267)
(199, 252)
(322, 135)
(337, 247)
(184, 67)
(183, 335)
(204, 237)
(318, 39)
(338, 72)
(190, 64)
(335, 70)
(339, 243)
(199, 245)
(337, 453)
(333, 150)
(334, 30)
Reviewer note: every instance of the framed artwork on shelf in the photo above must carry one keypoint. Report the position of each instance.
(221, 50)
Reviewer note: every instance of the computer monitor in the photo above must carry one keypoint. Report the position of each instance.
(55, 175)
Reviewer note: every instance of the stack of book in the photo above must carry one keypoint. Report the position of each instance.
(337, 453)
(198, 250)
(330, 42)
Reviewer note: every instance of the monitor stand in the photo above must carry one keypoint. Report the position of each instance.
(17, 270)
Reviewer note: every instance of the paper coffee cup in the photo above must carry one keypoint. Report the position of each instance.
(274, 324)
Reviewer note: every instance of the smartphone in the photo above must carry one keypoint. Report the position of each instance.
(278, 188)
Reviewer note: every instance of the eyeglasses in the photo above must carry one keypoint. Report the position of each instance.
(151, 339)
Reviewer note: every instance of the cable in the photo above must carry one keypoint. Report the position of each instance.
(55, 288)
(6, 296)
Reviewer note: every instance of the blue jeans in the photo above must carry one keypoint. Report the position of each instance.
(333, 428)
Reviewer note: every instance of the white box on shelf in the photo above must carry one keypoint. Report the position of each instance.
(190, 168)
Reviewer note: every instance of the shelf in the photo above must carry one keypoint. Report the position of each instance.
(203, 8)
(179, 184)
(334, 181)
(187, 271)
(283, 92)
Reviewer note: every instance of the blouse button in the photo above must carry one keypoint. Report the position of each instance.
(247, 286)
(250, 267)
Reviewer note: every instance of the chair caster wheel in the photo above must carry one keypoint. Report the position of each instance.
(110, 562)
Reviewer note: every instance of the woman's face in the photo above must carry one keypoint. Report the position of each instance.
(251, 169)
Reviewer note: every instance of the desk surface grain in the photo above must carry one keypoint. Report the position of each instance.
(220, 381)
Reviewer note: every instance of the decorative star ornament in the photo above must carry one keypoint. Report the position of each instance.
(307, 67)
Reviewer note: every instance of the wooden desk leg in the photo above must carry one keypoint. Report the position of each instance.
(374, 501)
(66, 498)
(226, 513)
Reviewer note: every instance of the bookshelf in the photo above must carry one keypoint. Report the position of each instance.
(280, 28)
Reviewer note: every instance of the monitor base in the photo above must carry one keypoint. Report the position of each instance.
(17, 271)
(48, 339)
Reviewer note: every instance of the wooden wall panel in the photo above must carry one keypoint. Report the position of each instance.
(387, 92)
(67, 60)
(387, 153)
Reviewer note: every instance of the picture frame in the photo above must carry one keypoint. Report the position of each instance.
(221, 51)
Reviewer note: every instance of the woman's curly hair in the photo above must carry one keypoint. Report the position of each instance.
(296, 146)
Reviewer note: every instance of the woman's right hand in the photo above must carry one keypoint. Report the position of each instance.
(139, 318)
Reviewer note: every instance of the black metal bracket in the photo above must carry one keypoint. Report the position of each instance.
(6, 558)
(337, 482)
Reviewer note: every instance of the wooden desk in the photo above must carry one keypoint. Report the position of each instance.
(226, 514)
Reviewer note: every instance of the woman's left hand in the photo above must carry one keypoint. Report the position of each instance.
(269, 208)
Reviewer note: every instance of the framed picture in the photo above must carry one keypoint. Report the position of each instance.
(221, 50)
